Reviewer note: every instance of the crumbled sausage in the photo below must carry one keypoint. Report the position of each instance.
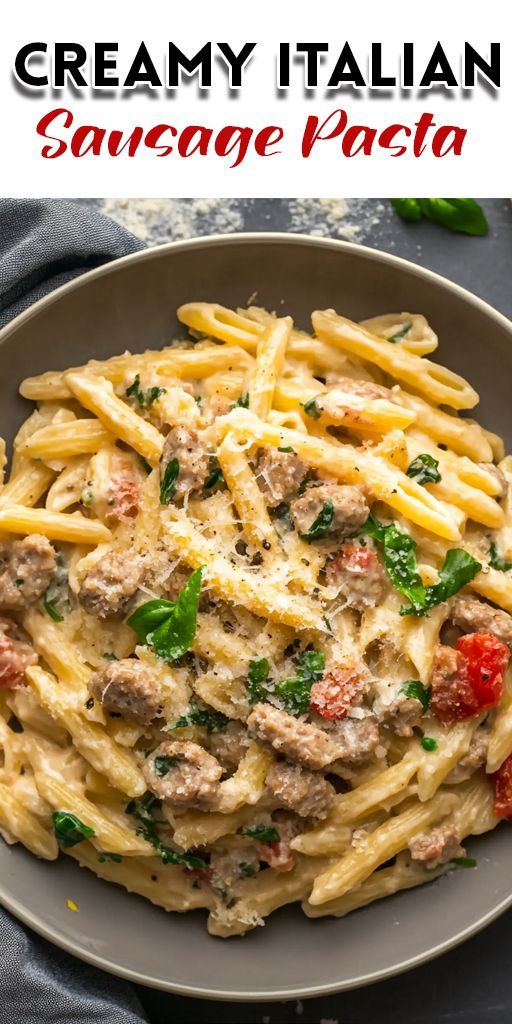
(350, 508)
(15, 656)
(296, 740)
(108, 586)
(229, 747)
(26, 568)
(128, 688)
(300, 790)
(402, 715)
(356, 738)
(474, 759)
(183, 444)
(475, 616)
(279, 475)
(183, 773)
(357, 575)
(436, 847)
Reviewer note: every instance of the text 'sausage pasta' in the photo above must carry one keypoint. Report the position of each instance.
(256, 617)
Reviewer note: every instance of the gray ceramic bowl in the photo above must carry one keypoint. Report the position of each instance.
(131, 304)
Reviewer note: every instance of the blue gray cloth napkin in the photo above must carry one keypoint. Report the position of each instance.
(43, 244)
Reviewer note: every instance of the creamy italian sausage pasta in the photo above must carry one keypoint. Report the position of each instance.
(256, 605)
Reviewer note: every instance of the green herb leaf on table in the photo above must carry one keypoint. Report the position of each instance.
(70, 830)
(143, 398)
(322, 524)
(402, 333)
(424, 469)
(205, 718)
(294, 692)
(496, 561)
(169, 627)
(263, 833)
(169, 481)
(413, 688)
(257, 676)
(465, 215)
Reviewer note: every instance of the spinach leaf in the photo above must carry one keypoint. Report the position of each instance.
(425, 469)
(243, 400)
(70, 830)
(142, 808)
(463, 862)
(464, 215)
(214, 478)
(413, 688)
(402, 333)
(188, 860)
(257, 675)
(286, 449)
(169, 627)
(312, 409)
(294, 692)
(103, 856)
(212, 721)
(169, 481)
(399, 551)
(144, 398)
(51, 609)
(264, 833)
(496, 561)
(322, 524)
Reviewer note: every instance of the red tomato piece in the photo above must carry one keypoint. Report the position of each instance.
(125, 498)
(12, 665)
(468, 679)
(277, 855)
(334, 695)
(502, 783)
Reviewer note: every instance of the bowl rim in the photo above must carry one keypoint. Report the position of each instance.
(30, 918)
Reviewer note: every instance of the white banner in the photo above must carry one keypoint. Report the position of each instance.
(368, 99)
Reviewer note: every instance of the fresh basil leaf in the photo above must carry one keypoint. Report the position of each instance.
(322, 524)
(70, 830)
(103, 856)
(295, 691)
(312, 409)
(169, 481)
(429, 743)
(51, 609)
(144, 398)
(424, 469)
(399, 551)
(163, 763)
(264, 833)
(407, 209)
(212, 721)
(413, 688)
(145, 619)
(257, 675)
(496, 561)
(464, 215)
(402, 333)
(243, 400)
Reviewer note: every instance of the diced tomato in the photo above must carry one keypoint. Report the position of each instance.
(334, 695)
(502, 782)
(277, 855)
(125, 498)
(12, 666)
(469, 679)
